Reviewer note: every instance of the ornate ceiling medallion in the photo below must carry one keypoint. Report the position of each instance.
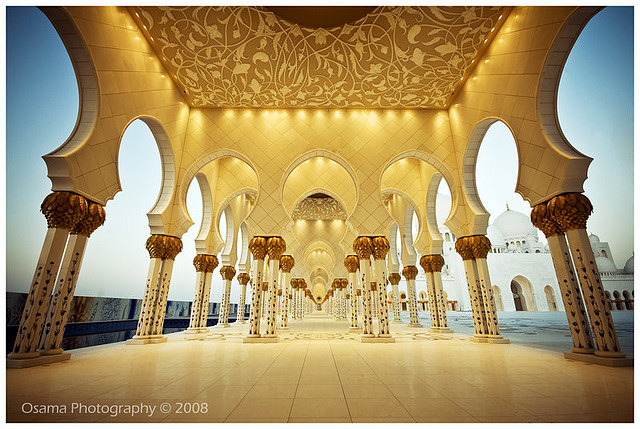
(322, 208)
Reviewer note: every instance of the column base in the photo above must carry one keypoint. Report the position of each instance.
(355, 330)
(239, 322)
(222, 325)
(581, 351)
(438, 330)
(478, 338)
(397, 322)
(491, 339)
(195, 331)
(23, 355)
(599, 360)
(260, 340)
(51, 351)
(38, 360)
(158, 340)
(283, 328)
(377, 339)
(614, 355)
(137, 341)
(415, 325)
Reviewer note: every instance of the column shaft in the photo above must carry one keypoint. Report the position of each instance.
(256, 304)
(396, 303)
(383, 306)
(433, 307)
(37, 302)
(161, 303)
(367, 320)
(242, 303)
(273, 298)
(442, 305)
(224, 305)
(353, 298)
(475, 298)
(595, 300)
(196, 307)
(412, 302)
(58, 313)
(145, 319)
(489, 306)
(286, 288)
(571, 296)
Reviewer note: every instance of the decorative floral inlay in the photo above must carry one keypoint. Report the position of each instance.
(238, 56)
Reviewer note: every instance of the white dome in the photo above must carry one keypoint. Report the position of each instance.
(605, 265)
(628, 266)
(495, 236)
(513, 224)
(594, 238)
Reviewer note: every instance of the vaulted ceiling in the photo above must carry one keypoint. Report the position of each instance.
(392, 57)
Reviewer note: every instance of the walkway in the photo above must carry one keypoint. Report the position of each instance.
(317, 373)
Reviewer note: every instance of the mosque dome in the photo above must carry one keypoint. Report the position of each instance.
(594, 238)
(628, 266)
(605, 265)
(513, 224)
(495, 236)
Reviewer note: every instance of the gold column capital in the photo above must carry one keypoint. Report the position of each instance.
(410, 272)
(373, 286)
(93, 219)
(425, 263)
(227, 272)
(286, 263)
(541, 219)
(436, 262)
(363, 246)
(258, 247)
(275, 247)
(570, 210)
(351, 263)
(432, 263)
(63, 209)
(473, 247)
(162, 246)
(205, 263)
(394, 278)
(243, 278)
(380, 247)
(265, 286)
(343, 282)
(358, 292)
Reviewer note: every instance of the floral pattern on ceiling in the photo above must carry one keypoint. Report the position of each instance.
(319, 209)
(238, 56)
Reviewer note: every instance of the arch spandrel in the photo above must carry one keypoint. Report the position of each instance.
(527, 105)
(115, 77)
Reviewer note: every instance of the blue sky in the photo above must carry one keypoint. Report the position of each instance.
(595, 107)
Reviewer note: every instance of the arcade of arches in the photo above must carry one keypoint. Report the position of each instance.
(317, 160)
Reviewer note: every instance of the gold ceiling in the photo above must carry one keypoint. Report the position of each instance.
(394, 57)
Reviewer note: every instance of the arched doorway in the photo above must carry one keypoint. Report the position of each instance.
(497, 296)
(516, 290)
(551, 298)
(522, 289)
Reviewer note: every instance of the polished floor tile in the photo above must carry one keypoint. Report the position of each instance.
(317, 373)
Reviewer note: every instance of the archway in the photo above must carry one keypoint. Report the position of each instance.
(523, 293)
(497, 296)
(551, 298)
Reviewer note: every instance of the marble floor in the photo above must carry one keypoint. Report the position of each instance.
(319, 373)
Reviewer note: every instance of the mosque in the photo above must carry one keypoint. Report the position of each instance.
(321, 133)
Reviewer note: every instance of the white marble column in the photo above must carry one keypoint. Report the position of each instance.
(275, 248)
(410, 272)
(286, 264)
(380, 250)
(162, 249)
(258, 249)
(60, 306)
(63, 210)
(363, 248)
(227, 272)
(394, 279)
(432, 265)
(243, 279)
(570, 212)
(204, 264)
(351, 263)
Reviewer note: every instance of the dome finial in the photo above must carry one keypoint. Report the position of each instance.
(507, 206)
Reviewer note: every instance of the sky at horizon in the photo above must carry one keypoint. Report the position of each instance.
(595, 108)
